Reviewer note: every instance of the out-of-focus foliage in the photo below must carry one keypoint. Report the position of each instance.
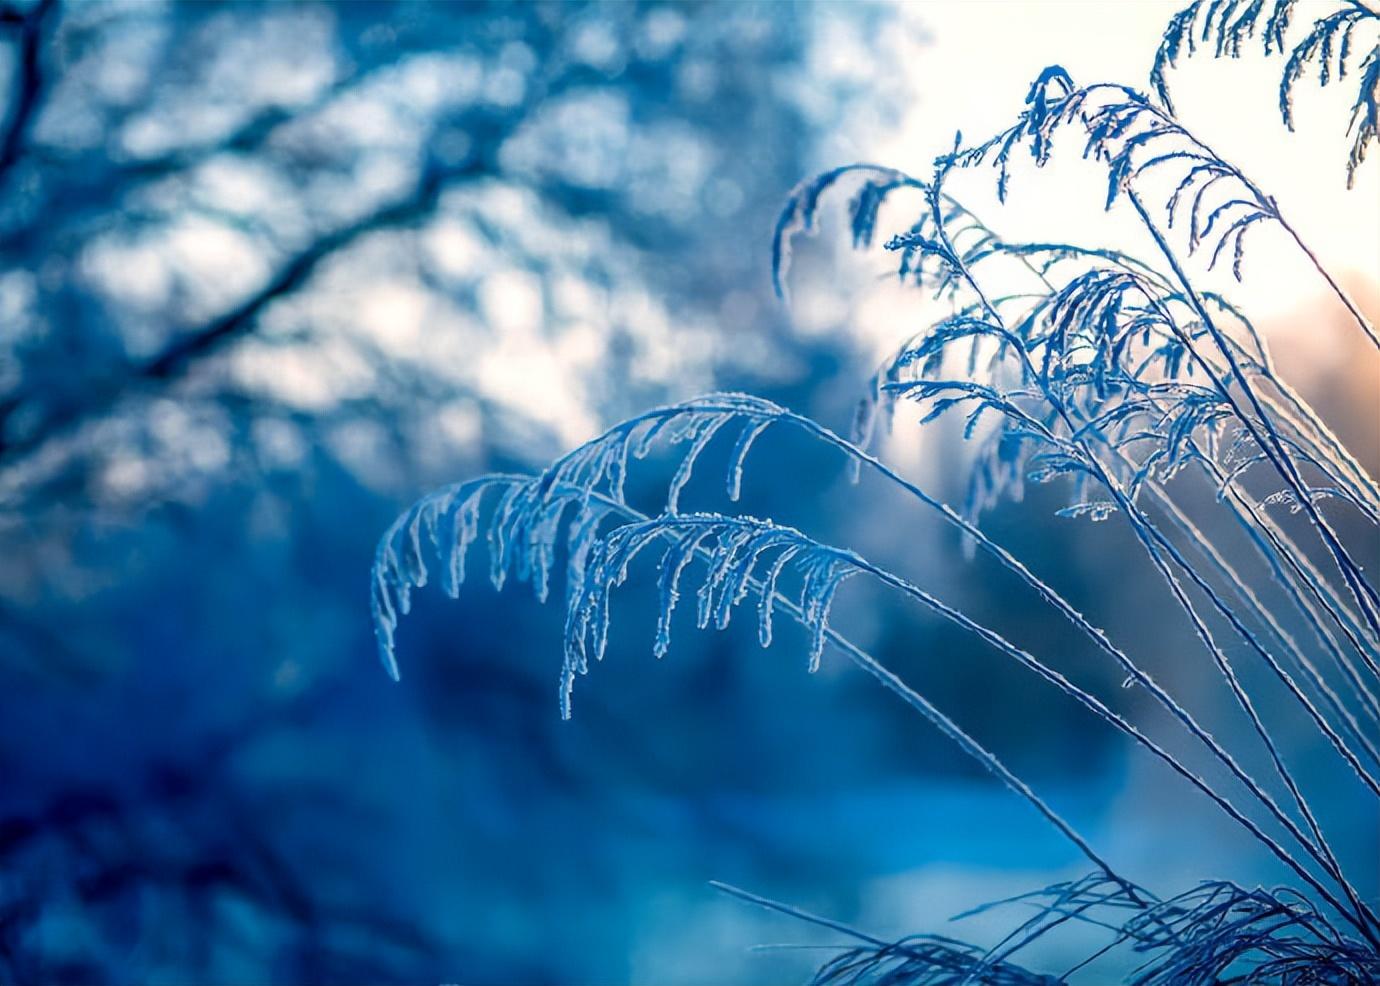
(178, 872)
(266, 269)
(329, 212)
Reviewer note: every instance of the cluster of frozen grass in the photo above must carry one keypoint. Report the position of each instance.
(1111, 373)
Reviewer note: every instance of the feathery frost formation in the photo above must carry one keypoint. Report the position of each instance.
(1346, 39)
(1118, 376)
(531, 520)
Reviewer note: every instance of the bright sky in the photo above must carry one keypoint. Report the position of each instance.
(984, 53)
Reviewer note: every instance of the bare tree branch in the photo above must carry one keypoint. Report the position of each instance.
(182, 352)
(29, 88)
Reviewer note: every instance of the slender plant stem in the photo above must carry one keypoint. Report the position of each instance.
(1319, 587)
(1155, 544)
(894, 683)
(1337, 289)
(1236, 501)
(1098, 707)
(1128, 666)
(1241, 588)
(1269, 442)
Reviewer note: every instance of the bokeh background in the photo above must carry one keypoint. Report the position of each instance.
(268, 272)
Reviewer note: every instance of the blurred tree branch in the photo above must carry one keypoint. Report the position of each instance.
(28, 92)
(486, 129)
(174, 360)
(131, 142)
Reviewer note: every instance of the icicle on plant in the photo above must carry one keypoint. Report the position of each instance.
(1113, 373)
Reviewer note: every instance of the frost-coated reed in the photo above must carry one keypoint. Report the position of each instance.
(1110, 372)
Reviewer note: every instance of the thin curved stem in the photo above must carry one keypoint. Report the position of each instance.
(1269, 443)
(1098, 636)
(1269, 203)
(1107, 715)
(893, 683)
(1337, 289)
(1367, 488)
(1157, 546)
(1242, 589)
